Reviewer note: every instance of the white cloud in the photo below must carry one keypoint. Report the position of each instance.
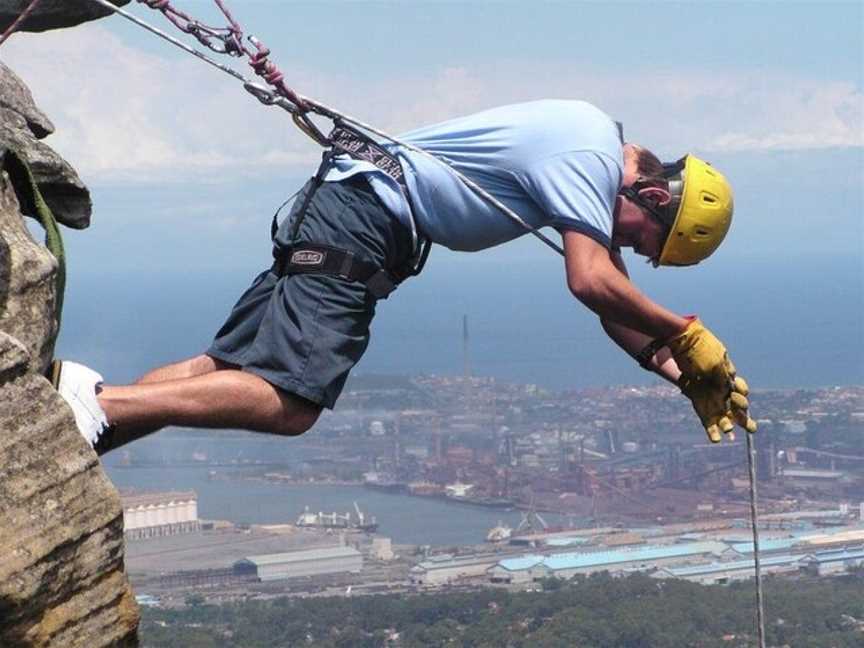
(796, 114)
(128, 115)
(671, 112)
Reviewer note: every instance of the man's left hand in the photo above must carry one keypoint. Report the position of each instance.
(712, 405)
(739, 404)
(717, 406)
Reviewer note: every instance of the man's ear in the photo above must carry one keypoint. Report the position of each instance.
(656, 195)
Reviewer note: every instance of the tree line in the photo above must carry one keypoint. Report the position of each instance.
(587, 612)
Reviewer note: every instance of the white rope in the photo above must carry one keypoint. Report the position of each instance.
(754, 520)
(267, 96)
(161, 34)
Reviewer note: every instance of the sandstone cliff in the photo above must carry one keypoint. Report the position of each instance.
(62, 582)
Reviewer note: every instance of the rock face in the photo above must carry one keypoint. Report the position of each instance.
(62, 580)
(61, 526)
(27, 289)
(15, 96)
(22, 124)
(52, 14)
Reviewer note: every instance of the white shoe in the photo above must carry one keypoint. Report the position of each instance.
(78, 385)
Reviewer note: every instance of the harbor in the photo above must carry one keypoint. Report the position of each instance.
(170, 552)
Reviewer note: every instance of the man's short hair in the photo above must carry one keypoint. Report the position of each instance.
(649, 167)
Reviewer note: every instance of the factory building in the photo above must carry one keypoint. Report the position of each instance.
(566, 565)
(444, 569)
(309, 562)
(557, 538)
(707, 562)
(766, 546)
(152, 515)
(822, 563)
(834, 562)
(382, 549)
(720, 573)
(845, 536)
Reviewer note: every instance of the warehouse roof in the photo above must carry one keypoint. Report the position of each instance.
(715, 567)
(301, 556)
(567, 542)
(655, 552)
(850, 553)
(520, 563)
(771, 544)
(601, 558)
(846, 534)
(132, 500)
(446, 561)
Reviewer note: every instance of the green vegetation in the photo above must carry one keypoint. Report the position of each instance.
(595, 612)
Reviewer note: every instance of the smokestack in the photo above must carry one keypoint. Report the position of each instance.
(466, 358)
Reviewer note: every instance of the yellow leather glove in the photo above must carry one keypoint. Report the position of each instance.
(739, 404)
(699, 354)
(711, 403)
(718, 406)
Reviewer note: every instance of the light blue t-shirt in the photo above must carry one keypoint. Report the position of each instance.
(554, 162)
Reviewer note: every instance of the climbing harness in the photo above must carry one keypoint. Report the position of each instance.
(316, 258)
(303, 257)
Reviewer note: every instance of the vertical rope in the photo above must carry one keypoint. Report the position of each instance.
(754, 520)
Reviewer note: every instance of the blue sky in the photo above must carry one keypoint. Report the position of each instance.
(185, 168)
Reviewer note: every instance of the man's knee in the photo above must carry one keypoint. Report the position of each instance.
(202, 364)
(298, 415)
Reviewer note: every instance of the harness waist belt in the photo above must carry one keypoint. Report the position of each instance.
(315, 258)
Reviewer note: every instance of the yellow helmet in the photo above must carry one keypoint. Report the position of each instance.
(704, 211)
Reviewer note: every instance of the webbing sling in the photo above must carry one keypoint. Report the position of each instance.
(33, 205)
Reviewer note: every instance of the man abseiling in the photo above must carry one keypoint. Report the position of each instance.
(287, 347)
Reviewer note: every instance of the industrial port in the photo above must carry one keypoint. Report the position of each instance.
(617, 479)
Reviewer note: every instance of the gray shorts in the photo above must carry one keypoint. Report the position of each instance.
(304, 333)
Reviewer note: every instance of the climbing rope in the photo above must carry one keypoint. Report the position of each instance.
(20, 19)
(754, 520)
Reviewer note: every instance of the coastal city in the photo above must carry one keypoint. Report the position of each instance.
(616, 479)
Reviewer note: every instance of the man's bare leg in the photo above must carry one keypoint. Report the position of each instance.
(195, 366)
(200, 364)
(226, 398)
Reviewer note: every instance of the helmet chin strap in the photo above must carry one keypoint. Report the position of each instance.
(660, 216)
(632, 194)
